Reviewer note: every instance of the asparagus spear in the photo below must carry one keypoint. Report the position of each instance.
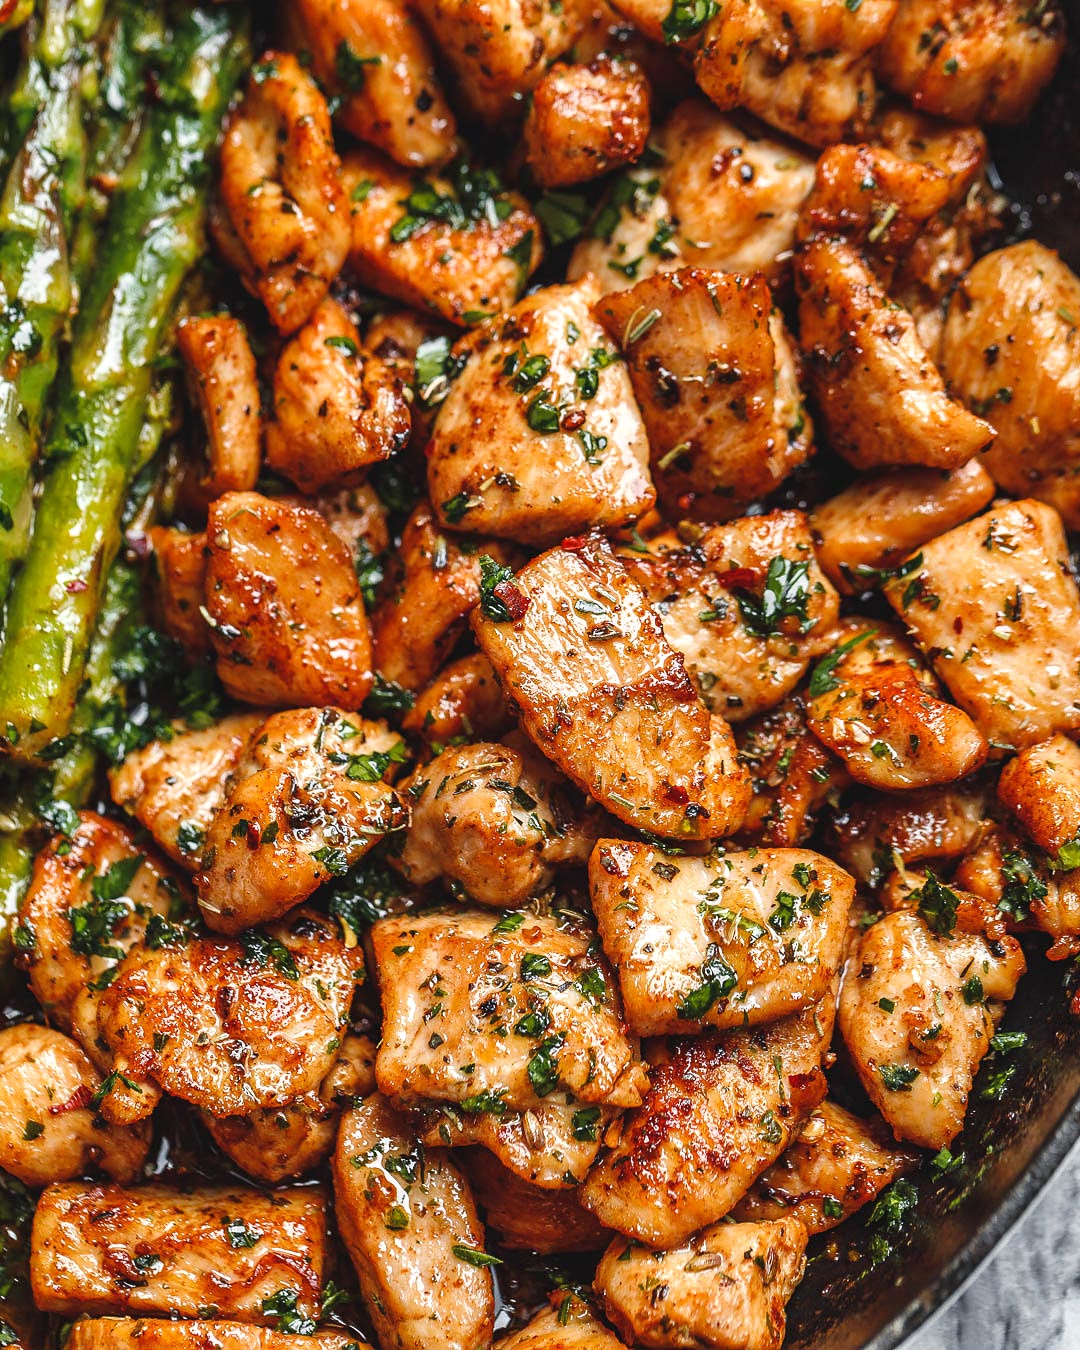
(153, 237)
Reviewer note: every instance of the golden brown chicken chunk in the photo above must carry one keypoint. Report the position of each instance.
(230, 1025)
(569, 1325)
(725, 1289)
(877, 522)
(285, 218)
(880, 397)
(973, 60)
(50, 1129)
(311, 799)
(465, 261)
(605, 696)
(410, 1227)
(804, 67)
(336, 408)
(174, 787)
(995, 607)
(727, 940)
(216, 1252)
(287, 621)
(586, 120)
(462, 701)
(876, 706)
(491, 1014)
(917, 1012)
(180, 576)
(144, 1333)
(714, 374)
(494, 822)
(721, 1108)
(837, 1164)
(375, 56)
(528, 1217)
(1041, 787)
(1012, 352)
(539, 435)
(222, 377)
(745, 605)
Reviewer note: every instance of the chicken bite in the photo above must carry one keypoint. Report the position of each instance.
(50, 1129)
(725, 1289)
(917, 1010)
(527, 1217)
(216, 1252)
(995, 607)
(714, 374)
(539, 435)
(570, 1324)
(491, 1014)
(409, 1224)
(494, 822)
(336, 407)
(180, 586)
(462, 701)
(584, 120)
(729, 940)
(603, 694)
(143, 1333)
(1041, 787)
(222, 378)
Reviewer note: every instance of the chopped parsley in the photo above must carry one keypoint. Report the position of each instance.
(785, 595)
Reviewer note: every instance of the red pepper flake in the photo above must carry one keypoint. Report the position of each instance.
(574, 543)
(79, 1098)
(573, 419)
(739, 576)
(516, 602)
(675, 792)
(75, 587)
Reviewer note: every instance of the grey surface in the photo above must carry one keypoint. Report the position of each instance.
(1027, 1296)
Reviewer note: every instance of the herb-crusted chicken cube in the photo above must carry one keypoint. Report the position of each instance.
(586, 120)
(491, 1014)
(604, 695)
(180, 586)
(724, 1289)
(217, 1251)
(720, 1109)
(729, 940)
(539, 435)
(714, 374)
(221, 375)
(995, 607)
(530, 1217)
(1041, 787)
(462, 701)
(147, 1333)
(570, 1324)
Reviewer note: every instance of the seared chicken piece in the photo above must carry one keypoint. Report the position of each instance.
(222, 378)
(877, 522)
(416, 625)
(410, 1227)
(725, 1289)
(357, 516)
(958, 151)
(793, 776)
(217, 1252)
(526, 1216)
(174, 787)
(648, 15)
(837, 1164)
(722, 198)
(492, 1013)
(309, 801)
(285, 218)
(462, 701)
(495, 822)
(916, 1012)
(230, 1025)
(1041, 787)
(499, 50)
(973, 60)
(539, 435)
(875, 705)
(714, 374)
(745, 605)
(728, 940)
(586, 120)
(336, 408)
(570, 1324)
(180, 575)
(463, 271)
(375, 56)
(286, 617)
(275, 1145)
(605, 696)
(1012, 352)
(995, 607)
(50, 1129)
(142, 1333)
(880, 396)
(876, 831)
(721, 1109)
(803, 67)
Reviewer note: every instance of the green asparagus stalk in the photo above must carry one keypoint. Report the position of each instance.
(153, 237)
(44, 189)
